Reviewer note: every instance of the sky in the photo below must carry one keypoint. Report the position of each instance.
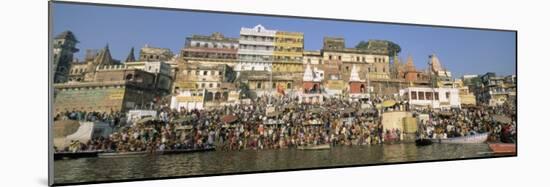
(461, 51)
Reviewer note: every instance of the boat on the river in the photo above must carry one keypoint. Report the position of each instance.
(476, 138)
(503, 148)
(423, 142)
(123, 154)
(314, 147)
(75, 155)
(180, 151)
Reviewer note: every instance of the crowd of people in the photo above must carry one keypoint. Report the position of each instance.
(279, 123)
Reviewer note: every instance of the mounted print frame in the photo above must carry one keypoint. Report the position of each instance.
(142, 93)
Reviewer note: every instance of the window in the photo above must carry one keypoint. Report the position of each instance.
(273, 85)
(358, 59)
(406, 95)
(197, 44)
(363, 59)
(383, 69)
(288, 85)
(205, 73)
(420, 95)
(429, 95)
(447, 95)
(339, 57)
(347, 68)
(330, 57)
(203, 85)
(259, 85)
(210, 85)
(436, 95)
(413, 95)
(197, 72)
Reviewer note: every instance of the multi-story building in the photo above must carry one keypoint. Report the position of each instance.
(256, 48)
(162, 71)
(496, 90)
(372, 58)
(439, 98)
(113, 88)
(148, 54)
(288, 53)
(64, 46)
(213, 49)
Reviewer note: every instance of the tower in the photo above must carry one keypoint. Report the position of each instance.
(102, 58)
(64, 46)
(131, 57)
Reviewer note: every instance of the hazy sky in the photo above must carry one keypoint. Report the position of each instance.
(462, 51)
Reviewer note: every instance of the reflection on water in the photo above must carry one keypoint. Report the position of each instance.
(103, 169)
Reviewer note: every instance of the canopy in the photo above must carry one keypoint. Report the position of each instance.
(316, 110)
(84, 132)
(183, 119)
(145, 119)
(274, 113)
(502, 119)
(348, 110)
(446, 113)
(63, 128)
(229, 118)
(388, 103)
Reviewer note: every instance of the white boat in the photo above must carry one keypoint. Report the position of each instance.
(122, 154)
(314, 147)
(476, 138)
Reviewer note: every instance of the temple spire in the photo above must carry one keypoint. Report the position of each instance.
(131, 57)
(104, 57)
(410, 65)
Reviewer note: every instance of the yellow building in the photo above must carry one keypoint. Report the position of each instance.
(288, 52)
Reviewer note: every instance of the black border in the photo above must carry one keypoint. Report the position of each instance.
(50, 93)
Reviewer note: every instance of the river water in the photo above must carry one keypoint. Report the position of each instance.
(216, 162)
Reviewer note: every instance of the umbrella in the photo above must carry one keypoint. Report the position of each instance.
(447, 114)
(316, 110)
(183, 119)
(348, 110)
(368, 111)
(229, 118)
(502, 119)
(273, 114)
(388, 103)
(145, 119)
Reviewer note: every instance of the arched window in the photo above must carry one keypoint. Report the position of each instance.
(129, 77)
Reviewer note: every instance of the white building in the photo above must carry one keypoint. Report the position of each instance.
(438, 98)
(256, 47)
(186, 101)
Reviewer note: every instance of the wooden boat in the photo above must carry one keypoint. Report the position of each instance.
(476, 138)
(75, 155)
(180, 151)
(423, 142)
(503, 148)
(123, 154)
(314, 147)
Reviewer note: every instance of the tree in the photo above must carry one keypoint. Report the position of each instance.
(392, 48)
